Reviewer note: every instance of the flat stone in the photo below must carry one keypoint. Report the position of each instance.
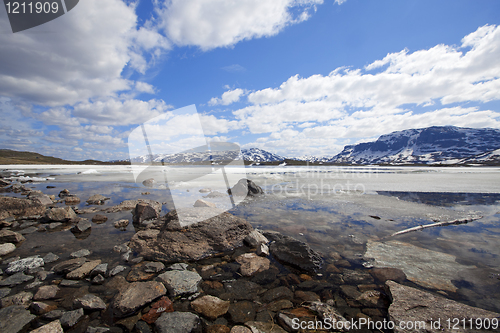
(99, 218)
(23, 298)
(89, 302)
(101, 330)
(373, 299)
(83, 270)
(46, 292)
(180, 282)
(243, 290)
(388, 273)
(82, 226)
(240, 329)
(6, 248)
(178, 267)
(138, 273)
(19, 207)
(210, 306)
(16, 279)
(80, 253)
(277, 293)
(23, 265)
(97, 199)
(8, 236)
(356, 277)
(242, 311)
(40, 308)
(136, 295)
(54, 225)
(14, 319)
(68, 265)
(69, 283)
(255, 238)
(178, 322)
(99, 269)
(204, 203)
(410, 304)
(429, 269)
(153, 267)
(54, 314)
(50, 257)
(4, 292)
(52, 327)
(218, 328)
(60, 214)
(260, 327)
(163, 305)
(70, 318)
(306, 296)
(252, 263)
(118, 269)
(193, 240)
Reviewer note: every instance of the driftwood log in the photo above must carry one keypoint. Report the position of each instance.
(437, 224)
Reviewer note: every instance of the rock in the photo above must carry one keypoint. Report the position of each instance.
(146, 210)
(243, 290)
(174, 243)
(350, 291)
(277, 293)
(204, 203)
(6, 248)
(70, 283)
(89, 302)
(252, 263)
(136, 295)
(262, 250)
(217, 328)
(4, 292)
(163, 305)
(137, 273)
(279, 305)
(178, 322)
(71, 199)
(240, 329)
(99, 218)
(180, 266)
(80, 253)
(429, 269)
(70, 318)
(83, 270)
(54, 225)
(205, 190)
(255, 238)
(118, 269)
(246, 187)
(68, 265)
(180, 282)
(15, 279)
(52, 327)
(82, 226)
(40, 197)
(121, 224)
(306, 296)
(14, 319)
(153, 267)
(294, 252)
(99, 269)
(373, 299)
(98, 279)
(149, 182)
(64, 193)
(54, 314)
(260, 327)
(242, 311)
(210, 306)
(23, 298)
(46, 292)
(388, 273)
(60, 214)
(410, 304)
(326, 311)
(40, 308)
(356, 277)
(97, 199)
(30, 230)
(19, 207)
(7, 236)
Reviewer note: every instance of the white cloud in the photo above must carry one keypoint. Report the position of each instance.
(219, 23)
(227, 97)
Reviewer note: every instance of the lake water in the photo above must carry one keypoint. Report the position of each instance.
(346, 211)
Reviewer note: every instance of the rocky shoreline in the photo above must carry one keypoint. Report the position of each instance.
(219, 275)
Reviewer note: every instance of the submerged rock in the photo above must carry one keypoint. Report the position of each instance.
(180, 282)
(136, 295)
(8, 236)
(210, 306)
(175, 243)
(89, 302)
(294, 252)
(19, 207)
(430, 269)
(182, 322)
(70, 318)
(410, 304)
(97, 199)
(16, 279)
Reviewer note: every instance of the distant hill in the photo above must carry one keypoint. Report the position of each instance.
(8, 156)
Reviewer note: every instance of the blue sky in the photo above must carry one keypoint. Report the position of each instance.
(294, 77)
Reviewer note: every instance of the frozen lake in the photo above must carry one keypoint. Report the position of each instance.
(346, 211)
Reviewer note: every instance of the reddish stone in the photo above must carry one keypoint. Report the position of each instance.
(163, 305)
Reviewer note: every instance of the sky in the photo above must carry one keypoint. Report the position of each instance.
(293, 77)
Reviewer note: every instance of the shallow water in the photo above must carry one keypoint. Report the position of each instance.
(334, 210)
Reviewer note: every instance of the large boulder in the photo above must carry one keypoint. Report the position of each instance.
(246, 187)
(60, 214)
(293, 252)
(432, 312)
(146, 210)
(19, 207)
(171, 242)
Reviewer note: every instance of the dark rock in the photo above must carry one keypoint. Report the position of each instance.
(217, 328)
(8, 236)
(15, 279)
(137, 273)
(70, 318)
(40, 308)
(83, 270)
(80, 253)
(64, 193)
(23, 298)
(293, 252)
(163, 305)
(46, 292)
(409, 303)
(71, 199)
(29, 230)
(142, 327)
(180, 282)
(178, 322)
(245, 187)
(199, 240)
(54, 314)
(52, 327)
(356, 277)
(97, 199)
(82, 226)
(260, 327)
(278, 305)
(68, 265)
(98, 279)
(118, 269)
(136, 295)
(276, 294)
(373, 299)
(89, 302)
(243, 290)
(387, 273)
(146, 210)
(40, 197)
(14, 319)
(19, 207)
(99, 218)
(265, 277)
(306, 296)
(121, 224)
(60, 214)
(4, 292)
(242, 311)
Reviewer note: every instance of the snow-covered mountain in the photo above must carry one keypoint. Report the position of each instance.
(431, 145)
(489, 158)
(258, 155)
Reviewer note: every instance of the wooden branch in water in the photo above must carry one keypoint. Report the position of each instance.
(437, 224)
